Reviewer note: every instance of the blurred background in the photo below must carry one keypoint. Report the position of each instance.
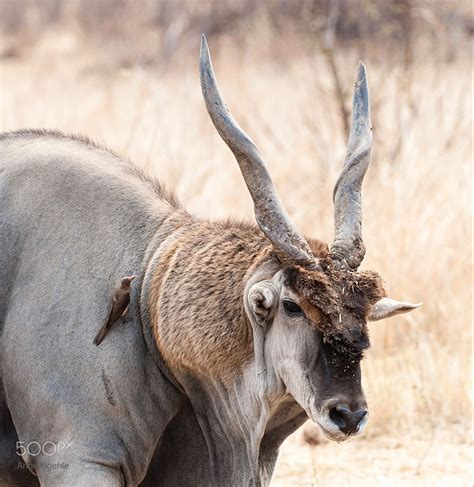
(125, 73)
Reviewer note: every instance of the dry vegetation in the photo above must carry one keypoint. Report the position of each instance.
(417, 194)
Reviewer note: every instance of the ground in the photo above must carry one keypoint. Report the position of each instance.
(443, 458)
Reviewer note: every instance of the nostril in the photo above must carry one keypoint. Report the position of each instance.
(339, 415)
(347, 420)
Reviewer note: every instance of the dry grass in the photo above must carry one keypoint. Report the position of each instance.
(417, 212)
(401, 459)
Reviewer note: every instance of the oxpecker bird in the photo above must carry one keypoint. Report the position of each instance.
(120, 301)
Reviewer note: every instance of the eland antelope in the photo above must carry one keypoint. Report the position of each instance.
(235, 333)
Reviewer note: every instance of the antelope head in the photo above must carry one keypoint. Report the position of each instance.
(308, 304)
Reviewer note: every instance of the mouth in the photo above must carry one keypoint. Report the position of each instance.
(338, 436)
(332, 435)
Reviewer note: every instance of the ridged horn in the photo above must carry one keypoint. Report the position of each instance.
(289, 245)
(348, 248)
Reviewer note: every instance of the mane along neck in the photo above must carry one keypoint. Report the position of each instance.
(196, 306)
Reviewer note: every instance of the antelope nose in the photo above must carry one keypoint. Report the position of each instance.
(348, 421)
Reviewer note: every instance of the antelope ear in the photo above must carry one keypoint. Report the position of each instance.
(386, 307)
(262, 300)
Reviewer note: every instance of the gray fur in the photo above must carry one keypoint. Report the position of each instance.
(74, 219)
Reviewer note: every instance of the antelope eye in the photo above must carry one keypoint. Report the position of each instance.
(292, 308)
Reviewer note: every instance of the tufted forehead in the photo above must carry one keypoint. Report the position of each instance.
(344, 299)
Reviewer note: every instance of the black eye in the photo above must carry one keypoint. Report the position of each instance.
(291, 307)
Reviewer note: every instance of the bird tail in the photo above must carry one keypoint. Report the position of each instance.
(101, 334)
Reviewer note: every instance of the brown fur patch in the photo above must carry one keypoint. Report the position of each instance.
(310, 311)
(198, 284)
